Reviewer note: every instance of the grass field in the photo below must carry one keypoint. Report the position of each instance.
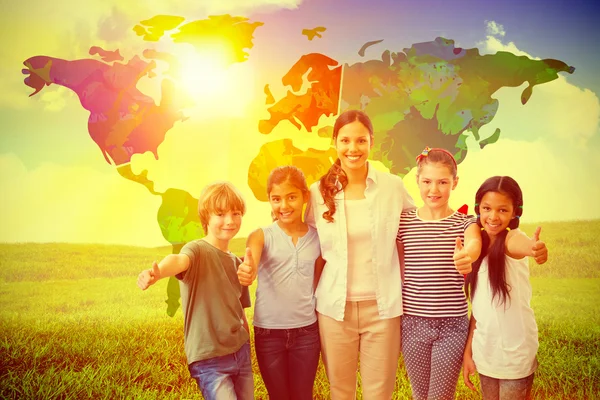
(73, 323)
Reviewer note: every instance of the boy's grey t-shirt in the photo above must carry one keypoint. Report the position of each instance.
(212, 301)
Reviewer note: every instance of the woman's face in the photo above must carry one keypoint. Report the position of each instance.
(353, 144)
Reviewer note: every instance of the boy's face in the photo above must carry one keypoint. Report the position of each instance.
(223, 226)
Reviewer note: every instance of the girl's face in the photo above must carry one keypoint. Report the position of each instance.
(495, 212)
(286, 202)
(435, 183)
(353, 144)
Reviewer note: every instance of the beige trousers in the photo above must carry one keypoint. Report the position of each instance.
(363, 333)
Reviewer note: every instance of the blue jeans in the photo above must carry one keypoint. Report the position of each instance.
(288, 360)
(506, 389)
(226, 377)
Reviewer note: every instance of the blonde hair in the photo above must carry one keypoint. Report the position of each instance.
(219, 197)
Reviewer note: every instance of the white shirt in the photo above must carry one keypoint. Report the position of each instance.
(387, 198)
(505, 340)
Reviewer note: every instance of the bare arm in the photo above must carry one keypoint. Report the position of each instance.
(519, 245)
(468, 364)
(465, 256)
(171, 265)
(473, 241)
(469, 345)
(248, 270)
(319, 265)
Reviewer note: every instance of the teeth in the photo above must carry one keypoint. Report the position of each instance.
(353, 158)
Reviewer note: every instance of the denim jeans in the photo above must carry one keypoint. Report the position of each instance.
(288, 360)
(226, 377)
(506, 389)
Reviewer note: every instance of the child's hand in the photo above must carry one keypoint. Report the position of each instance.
(148, 276)
(468, 370)
(462, 259)
(538, 248)
(246, 270)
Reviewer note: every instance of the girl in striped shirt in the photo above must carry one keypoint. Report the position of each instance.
(435, 323)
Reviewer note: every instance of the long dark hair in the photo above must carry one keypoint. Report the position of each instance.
(328, 183)
(496, 253)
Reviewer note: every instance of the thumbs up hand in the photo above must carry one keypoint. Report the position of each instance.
(247, 270)
(462, 259)
(538, 248)
(148, 277)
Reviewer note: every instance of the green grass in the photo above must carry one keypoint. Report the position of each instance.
(73, 324)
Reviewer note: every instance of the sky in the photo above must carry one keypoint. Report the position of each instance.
(57, 187)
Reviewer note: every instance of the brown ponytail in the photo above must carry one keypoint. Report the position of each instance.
(328, 187)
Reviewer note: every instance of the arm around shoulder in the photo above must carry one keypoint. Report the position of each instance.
(408, 204)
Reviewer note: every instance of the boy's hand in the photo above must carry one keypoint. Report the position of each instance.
(538, 248)
(462, 259)
(246, 270)
(148, 276)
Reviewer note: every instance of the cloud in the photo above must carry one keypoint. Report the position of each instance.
(55, 203)
(556, 183)
(556, 180)
(493, 42)
(55, 99)
(494, 29)
(492, 45)
(549, 146)
(115, 26)
(558, 108)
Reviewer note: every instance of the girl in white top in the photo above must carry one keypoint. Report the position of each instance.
(356, 210)
(283, 254)
(503, 340)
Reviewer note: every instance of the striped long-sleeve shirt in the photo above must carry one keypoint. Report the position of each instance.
(432, 286)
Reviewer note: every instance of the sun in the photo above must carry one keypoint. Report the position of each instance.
(204, 73)
(211, 79)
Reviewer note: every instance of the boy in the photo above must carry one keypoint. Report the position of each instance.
(215, 328)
